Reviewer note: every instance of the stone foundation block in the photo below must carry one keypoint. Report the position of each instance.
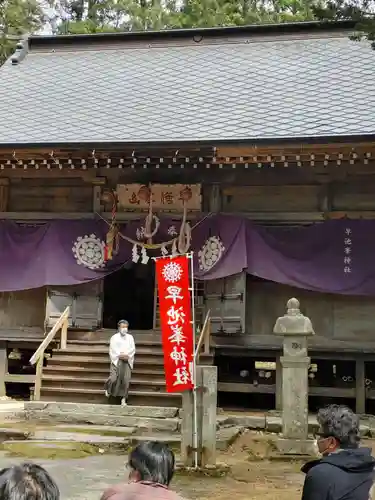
(299, 447)
(102, 409)
(252, 422)
(152, 424)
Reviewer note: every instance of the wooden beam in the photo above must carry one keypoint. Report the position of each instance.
(97, 205)
(338, 392)
(280, 217)
(243, 387)
(20, 378)
(4, 193)
(3, 367)
(332, 148)
(215, 198)
(127, 216)
(44, 173)
(360, 387)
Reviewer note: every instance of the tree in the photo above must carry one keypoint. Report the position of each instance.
(90, 16)
(210, 13)
(360, 11)
(17, 17)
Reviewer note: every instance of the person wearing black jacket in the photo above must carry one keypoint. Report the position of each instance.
(346, 471)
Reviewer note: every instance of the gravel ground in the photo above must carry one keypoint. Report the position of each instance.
(250, 478)
(87, 478)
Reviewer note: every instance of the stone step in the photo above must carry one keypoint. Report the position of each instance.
(104, 344)
(71, 439)
(104, 430)
(140, 373)
(11, 410)
(94, 354)
(95, 351)
(76, 370)
(68, 381)
(148, 398)
(78, 373)
(107, 416)
(107, 409)
(149, 361)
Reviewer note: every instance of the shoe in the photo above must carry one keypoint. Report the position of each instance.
(106, 394)
(123, 402)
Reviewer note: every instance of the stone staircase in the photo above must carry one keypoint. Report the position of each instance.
(60, 430)
(77, 374)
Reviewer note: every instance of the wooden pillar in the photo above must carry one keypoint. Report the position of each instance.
(279, 385)
(4, 194)
(97, 205)
(64, 334)
(360, 387)
(38, 378)
(215, 199)
(3, 367)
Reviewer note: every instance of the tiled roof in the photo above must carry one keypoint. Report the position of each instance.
(245, 88)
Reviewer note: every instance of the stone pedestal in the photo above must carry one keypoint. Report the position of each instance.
(187, 429)
(208, 378)
(296, 328)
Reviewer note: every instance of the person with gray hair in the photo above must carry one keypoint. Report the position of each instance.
(345, 471)
(121, 353)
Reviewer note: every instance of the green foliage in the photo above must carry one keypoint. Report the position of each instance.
(112, 15)
(360, 11)
(17, 17)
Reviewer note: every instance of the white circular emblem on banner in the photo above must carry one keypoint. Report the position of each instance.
(210, 253)
(88, 251)
(172, 272)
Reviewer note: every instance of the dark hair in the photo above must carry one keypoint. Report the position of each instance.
(153, 461)
(341, 423)
(27, 482)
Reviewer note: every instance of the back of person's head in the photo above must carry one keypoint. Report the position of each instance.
(341, 423)
(27, 482)
(152, 461)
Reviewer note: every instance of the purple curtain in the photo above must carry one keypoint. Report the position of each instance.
(334, 256)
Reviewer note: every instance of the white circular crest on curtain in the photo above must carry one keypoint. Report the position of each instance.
(210, 253)
(88, 251)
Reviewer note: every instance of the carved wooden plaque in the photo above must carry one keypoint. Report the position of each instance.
(165, 197)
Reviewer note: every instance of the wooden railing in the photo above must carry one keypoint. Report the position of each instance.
(204, 337)
(38, 357)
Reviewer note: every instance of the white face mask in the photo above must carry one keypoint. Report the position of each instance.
(124, 330)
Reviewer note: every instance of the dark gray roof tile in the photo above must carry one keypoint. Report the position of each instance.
(276, 88)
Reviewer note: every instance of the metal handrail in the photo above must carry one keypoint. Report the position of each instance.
(38, 357)
(204, 337)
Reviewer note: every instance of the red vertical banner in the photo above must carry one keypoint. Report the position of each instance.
(175, 317)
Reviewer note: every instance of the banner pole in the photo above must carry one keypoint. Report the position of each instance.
(195, 412)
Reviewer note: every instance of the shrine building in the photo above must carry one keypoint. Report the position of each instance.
(251, 146)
